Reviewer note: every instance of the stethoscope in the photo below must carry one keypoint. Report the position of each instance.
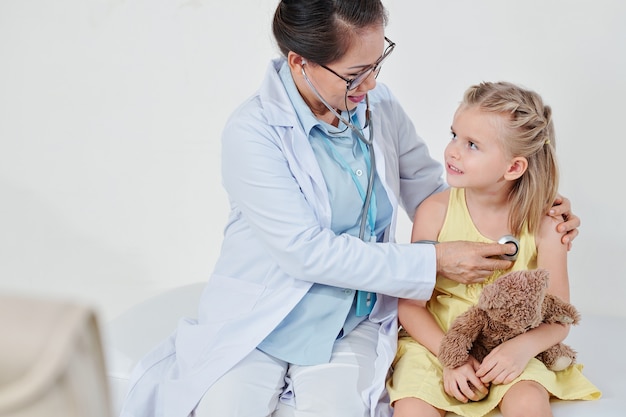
(503, 241)
(509, 239)
(366, 211)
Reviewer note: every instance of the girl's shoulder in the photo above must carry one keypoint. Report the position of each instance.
(438, 200)
(430, 216)
(547, 233)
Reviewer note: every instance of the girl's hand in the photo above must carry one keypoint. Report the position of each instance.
(462, 382)
(562, 209)
(504, 363)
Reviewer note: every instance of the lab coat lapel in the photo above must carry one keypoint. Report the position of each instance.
(295, 142)
(381, 169)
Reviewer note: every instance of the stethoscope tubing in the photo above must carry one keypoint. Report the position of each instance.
(368, 142)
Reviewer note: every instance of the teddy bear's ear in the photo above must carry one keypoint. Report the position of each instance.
(542, 275)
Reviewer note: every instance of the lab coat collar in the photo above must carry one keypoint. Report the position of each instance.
(280, 111)
(278, 108)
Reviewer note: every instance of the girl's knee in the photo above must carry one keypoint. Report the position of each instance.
(526, 398)
(414, 407)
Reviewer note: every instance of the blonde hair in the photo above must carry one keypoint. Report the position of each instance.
(528, 131)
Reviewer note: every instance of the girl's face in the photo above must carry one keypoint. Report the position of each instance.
(475, 156)
(365, 51)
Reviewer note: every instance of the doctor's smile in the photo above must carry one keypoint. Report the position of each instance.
(356, 99)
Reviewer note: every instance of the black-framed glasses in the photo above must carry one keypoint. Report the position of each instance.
(353, 83)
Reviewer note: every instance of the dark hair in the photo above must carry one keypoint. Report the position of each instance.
(322, 30)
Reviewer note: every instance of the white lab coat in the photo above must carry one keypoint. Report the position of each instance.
(278, 241)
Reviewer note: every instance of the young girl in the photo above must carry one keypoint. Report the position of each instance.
(501, 167)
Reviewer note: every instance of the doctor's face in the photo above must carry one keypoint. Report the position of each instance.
(361, 62)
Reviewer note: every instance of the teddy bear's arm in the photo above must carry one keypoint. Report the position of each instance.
(556, 310)
(458, 340)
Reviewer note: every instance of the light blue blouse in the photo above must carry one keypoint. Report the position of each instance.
(306, 336)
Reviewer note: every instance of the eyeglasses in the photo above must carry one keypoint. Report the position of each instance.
(353, 83)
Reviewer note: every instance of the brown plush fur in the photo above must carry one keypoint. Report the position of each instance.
(510, 306)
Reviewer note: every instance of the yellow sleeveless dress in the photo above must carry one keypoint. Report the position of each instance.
(418, 373)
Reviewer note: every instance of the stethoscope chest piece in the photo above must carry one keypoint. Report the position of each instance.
(509, 239)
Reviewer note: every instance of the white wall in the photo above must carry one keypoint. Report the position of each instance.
(111, 113)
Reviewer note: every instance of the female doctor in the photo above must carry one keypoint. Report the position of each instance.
(299, 316)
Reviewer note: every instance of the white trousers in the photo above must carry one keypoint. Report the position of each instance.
(261, 385)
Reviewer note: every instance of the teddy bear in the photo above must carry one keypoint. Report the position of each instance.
(511, 305)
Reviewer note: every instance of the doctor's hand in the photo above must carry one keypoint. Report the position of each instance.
(471, 262)
(569, 222)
